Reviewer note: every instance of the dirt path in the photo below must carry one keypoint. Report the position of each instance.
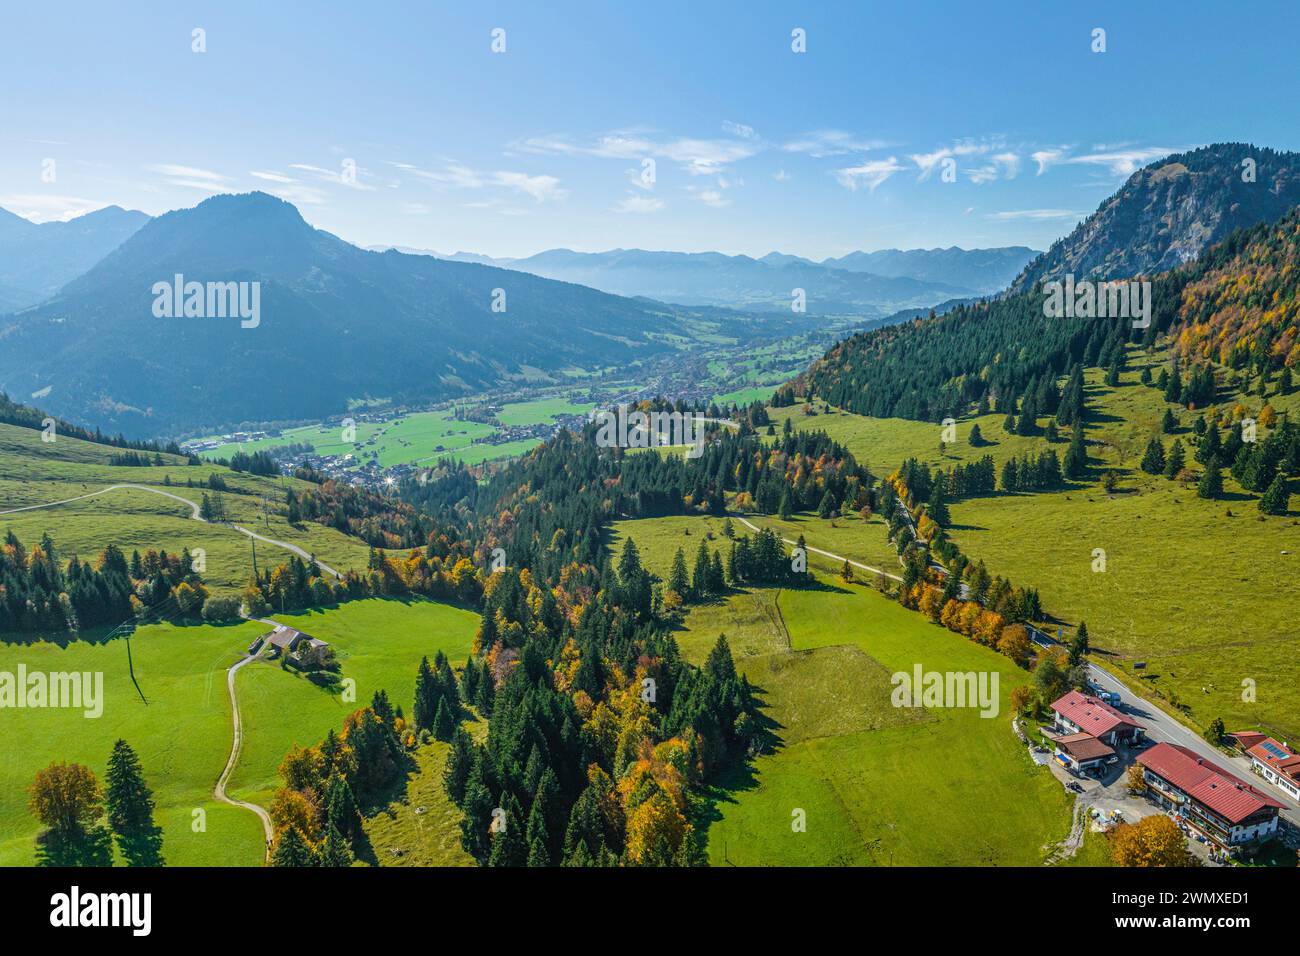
(219, 791)
(194, 509)
(834, 557)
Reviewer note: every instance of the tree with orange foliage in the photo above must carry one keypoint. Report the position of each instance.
(1152, 841)
(1014, 643)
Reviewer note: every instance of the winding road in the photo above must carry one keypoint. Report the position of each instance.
(219, 791)
(194, 513)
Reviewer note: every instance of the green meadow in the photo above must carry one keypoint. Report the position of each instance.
(33, 472)
(877, 785)
(183, 732)
(378, 643)
(1202, 591)
(182, 735)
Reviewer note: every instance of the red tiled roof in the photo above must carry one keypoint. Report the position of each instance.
(1206, 783)
(1277, 756)
(1083, 746)
(1089, 714)
(1248, 738)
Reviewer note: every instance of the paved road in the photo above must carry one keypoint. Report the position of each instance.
(1162, 727)
(219, 791)
(194, 508)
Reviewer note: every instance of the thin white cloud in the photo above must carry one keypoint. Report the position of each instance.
(1003, 164)
(454, 175)
(44, 207)
(350, 176)
(710, 197)
(191, 177)
(1047, 158)
(1035, 214)
(1117, 162)
(1123, 162)
(699, 157)
(633, 203)
(739, 129)
(871, 174)
(832, 142)
(271, 177)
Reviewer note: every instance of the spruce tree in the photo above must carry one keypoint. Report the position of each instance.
(508, 846)
(677, 579)
(427, 697)
(444, 722)
(1176, 460)
(335, 850)
(1211, 484)
(455, 777)
(292, 850)
(129, 803)
(1153, 462)
(341, 810)
(1276, 499)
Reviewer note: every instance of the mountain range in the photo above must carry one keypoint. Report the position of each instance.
(336, 323)
(1171, 211)
(867, 284)
(1222, 253)
(36, 260)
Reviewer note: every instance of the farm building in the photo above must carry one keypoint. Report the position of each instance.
(1223, 808)
(298, 648)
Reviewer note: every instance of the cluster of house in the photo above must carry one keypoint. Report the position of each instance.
(1202, 796)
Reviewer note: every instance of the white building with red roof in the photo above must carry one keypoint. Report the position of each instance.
(1222, 807)
(1275, 762)
(1086, 731)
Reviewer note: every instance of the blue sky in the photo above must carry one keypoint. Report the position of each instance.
(755, 147)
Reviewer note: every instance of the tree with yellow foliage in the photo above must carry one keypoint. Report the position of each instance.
(1152, 841)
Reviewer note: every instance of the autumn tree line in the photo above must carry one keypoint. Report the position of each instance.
(38, 593)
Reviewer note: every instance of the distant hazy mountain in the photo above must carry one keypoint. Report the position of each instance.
(712, 278)
(1169, 212)
(980, 270)
(336, 323)
(38, 260)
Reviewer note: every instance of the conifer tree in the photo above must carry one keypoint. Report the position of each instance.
(1153, 462)
(129, 803)
(1176, 461)
(291, 849)
(1276, 499)
(1211, 483)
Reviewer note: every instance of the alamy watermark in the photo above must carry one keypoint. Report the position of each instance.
(82, 690)
(1086, 299)
(624, 429)
(946, 689)
(208, 300)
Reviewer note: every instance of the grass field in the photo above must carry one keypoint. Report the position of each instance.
(417, 437)
(879, 785)
(540, 410)
(1198, 589)
(182, 736)
(409, 438)
(378, 644)
(33, 472)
